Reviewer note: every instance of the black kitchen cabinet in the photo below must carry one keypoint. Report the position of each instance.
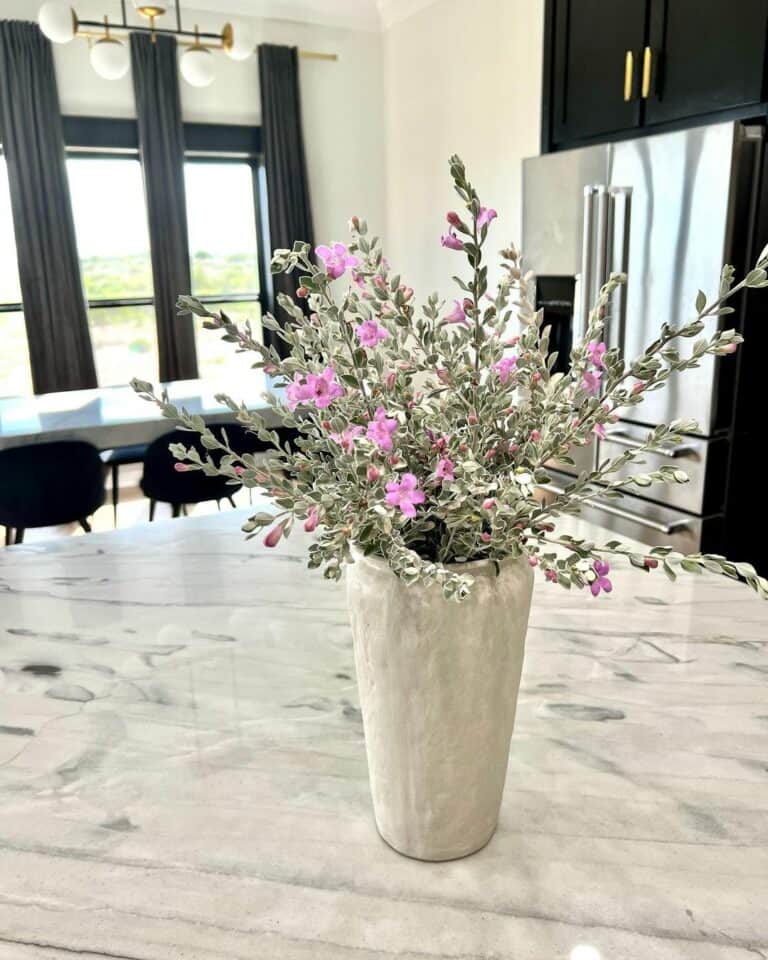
(592, 39)
(704, 57)
(614, 69)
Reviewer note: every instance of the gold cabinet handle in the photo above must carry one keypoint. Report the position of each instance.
(647, 66)
(629, 75)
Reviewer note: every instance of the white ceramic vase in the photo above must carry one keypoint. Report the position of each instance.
(438, 684)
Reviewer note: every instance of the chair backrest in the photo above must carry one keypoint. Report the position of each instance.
(45, 484)
(161, 481)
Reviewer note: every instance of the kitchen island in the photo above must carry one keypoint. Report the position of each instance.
(183, 773)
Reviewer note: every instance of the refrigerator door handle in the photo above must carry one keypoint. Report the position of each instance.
(602, 229)
(584, 298)
(666, 528)
(623, 440)
(620, 204)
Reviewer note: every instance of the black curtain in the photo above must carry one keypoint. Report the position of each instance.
(161, 141)
(290, 215)
(55, 311)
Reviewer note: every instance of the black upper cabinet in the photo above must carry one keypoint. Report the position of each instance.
(615, 67)
(705, 56)
(592, 38)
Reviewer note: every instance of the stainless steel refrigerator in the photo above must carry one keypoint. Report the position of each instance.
(668, 210)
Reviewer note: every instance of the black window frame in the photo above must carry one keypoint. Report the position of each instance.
(111, 137)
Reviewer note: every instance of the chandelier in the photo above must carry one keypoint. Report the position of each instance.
(109, 53)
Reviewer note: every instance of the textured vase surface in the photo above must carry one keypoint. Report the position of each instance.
(438, 684)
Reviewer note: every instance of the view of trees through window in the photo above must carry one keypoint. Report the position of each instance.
(113, 243)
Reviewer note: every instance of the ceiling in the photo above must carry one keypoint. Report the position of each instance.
(354, 14)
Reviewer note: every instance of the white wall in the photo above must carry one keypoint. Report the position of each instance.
(341, 103)
(461, 76)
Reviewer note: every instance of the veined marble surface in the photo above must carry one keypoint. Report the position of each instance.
(183, 775)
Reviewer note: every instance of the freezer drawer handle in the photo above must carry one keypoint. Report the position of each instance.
(665, 528)
(623, 440)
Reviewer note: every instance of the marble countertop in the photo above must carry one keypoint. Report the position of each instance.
(116, 416)
(183, 775)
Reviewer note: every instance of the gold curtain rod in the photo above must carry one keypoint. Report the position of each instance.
(304, 54)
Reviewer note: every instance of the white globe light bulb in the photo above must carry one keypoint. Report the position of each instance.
(57, 20)
(110, 58)
(198, 67)
(239, 39)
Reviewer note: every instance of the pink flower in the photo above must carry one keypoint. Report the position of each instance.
(489, 503)
(312, 520)
(323, 389)
(601, 582)
(358, 280)
(372, 474)
(451, 241)
(336, 259)
(505, 368)
(456, 315)
(485, 216)
(370, 334)
(297, 391)
(444, 469)
(550, 575)
(596, 353)
(590, 381)
(405, 494)
(273, 537)
(346, 439)
(381, 429)
(599, 430)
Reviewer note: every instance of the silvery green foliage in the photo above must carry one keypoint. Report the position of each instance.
(442, 379)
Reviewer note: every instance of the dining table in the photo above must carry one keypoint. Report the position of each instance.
(183, 770)
(113, 417)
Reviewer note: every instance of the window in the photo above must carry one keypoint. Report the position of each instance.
(224, 256)
(15, 376)
(113, 244)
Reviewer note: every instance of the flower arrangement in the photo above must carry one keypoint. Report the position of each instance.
(423, 434)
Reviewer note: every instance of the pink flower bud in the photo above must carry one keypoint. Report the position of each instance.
(407, 292)
(354, 223)
(443, 376)
(270, 368)
(512, 342)
(650, 563)
(533, 561)
(180, 467)
(514, 447)
(372, 474)
(638, 388)
(274, 536)
(472, 419)
(468, 304)
(535, 377)
(453, 218)
(489, 503)
(312, 520)
(302, 292)
(390, 381)
(394, 459)
(485, 537)
(729, 348)
(535, 436)
(239, 470)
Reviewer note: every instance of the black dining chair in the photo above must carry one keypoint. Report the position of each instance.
(48, 484)
(118, 457)
(161, 482)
